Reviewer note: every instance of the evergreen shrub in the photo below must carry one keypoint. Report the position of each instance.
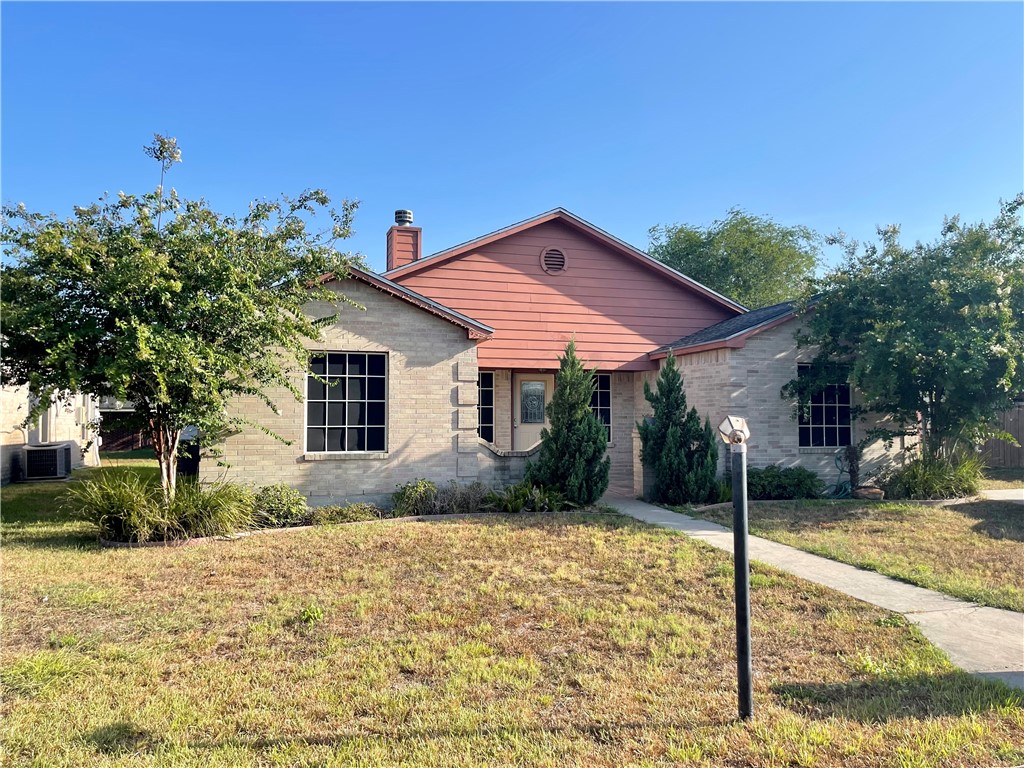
(572, 452)
(682, 453)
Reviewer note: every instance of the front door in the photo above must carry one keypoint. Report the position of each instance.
(531, 393)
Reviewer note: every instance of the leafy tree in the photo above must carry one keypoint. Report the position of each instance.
(932, 336)
(572, 452)
(163, 302)
(683, 454)
(751, 259)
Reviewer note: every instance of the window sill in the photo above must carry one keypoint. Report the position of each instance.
(345, 456)
(822, 449)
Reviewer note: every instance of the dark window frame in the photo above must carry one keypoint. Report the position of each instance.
(601, 401)
(346, 411)
(825, 421)
(485, 410)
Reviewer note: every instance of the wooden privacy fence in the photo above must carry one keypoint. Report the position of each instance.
(1000, 453)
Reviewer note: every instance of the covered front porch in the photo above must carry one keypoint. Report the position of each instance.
(512, 413)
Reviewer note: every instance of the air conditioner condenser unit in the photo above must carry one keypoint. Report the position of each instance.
(48, 461)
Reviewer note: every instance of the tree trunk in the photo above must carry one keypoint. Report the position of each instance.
(165, 443)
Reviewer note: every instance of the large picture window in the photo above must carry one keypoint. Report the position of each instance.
(601, 401)
(825, 421)
(346, 402)
(485, 407)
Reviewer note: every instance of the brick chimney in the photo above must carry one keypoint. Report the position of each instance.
(404, 241)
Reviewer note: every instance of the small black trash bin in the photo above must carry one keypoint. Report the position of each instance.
(188, 464)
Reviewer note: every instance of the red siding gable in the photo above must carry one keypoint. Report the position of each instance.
(617, 308)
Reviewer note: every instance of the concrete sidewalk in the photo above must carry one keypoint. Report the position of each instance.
(988, 642)
(1009, 494)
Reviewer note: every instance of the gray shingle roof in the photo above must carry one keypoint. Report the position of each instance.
(732, 327)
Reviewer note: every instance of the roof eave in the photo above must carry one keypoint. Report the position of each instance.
(474, 329)
(736, 341)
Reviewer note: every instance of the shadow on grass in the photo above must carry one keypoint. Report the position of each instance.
(607, 520)
(794, 516)
(121, 737)
(919, 696)
(996, 519)
(599, 733)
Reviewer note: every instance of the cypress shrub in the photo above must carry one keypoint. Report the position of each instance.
(572, 452)
(683, 455)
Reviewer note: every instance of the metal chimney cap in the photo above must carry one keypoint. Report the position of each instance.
(403, 217)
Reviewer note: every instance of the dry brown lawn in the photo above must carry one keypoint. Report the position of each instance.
(972, 550)
(554, 641)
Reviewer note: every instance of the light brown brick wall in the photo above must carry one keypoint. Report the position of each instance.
(747, 382)
(620, 451)
(767, 362)
(503, 409)
(432, 378)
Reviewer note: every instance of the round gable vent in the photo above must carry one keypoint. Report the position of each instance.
(553, 260)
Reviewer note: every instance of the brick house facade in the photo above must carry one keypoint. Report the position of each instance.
(444, 371)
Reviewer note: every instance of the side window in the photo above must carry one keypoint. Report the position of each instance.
(346, 402)
(826, 420)
(485, 407)
(601, 401)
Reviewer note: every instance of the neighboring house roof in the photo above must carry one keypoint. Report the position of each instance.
(560, 214)
(476, 330)
(732, 332)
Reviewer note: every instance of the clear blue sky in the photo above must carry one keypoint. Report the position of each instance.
(479, 115)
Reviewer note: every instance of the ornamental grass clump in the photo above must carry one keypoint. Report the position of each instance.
(125, 508)
(218, 509)
(935, 477)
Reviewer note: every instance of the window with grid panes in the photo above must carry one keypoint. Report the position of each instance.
(825, 422)
(601, 401)
(485, 406)
(346, 402)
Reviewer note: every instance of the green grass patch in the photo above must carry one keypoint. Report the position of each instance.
(972, 550)
(533, 640)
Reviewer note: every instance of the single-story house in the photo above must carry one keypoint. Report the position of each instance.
(445, 371)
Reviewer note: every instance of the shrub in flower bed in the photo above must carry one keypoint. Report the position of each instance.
(350, 513)
(423, 497)
(774, 482)
(126, 508)
(280, 506)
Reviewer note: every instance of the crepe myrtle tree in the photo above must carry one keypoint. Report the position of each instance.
(932, 336)
(161, 301)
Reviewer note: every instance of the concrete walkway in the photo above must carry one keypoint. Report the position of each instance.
(988, 642)
(1009, 494)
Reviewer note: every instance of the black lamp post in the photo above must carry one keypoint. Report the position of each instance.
(735, 433)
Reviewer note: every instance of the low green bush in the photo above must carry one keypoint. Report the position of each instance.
(360, 512)
(774, 482)
(932, 477)
(279, 506)
(511, 500)
(414, 498)
(724, 490)
(127, 509)
(525, 497)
